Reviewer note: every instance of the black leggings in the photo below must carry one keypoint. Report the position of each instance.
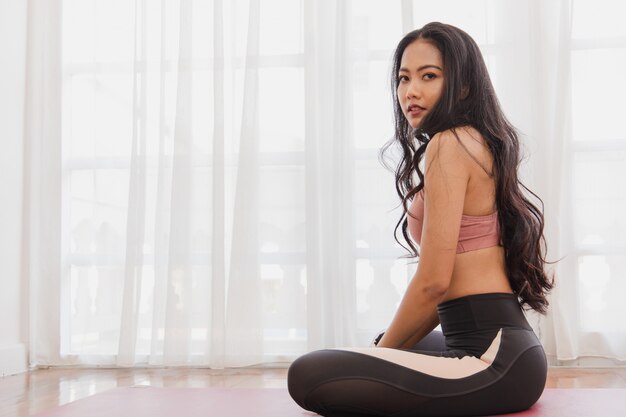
(487, 361)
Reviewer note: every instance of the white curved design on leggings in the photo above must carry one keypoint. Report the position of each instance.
(450, 368)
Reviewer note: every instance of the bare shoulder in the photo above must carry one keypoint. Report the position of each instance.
(462, 144)
(466, 136)
(445, 156)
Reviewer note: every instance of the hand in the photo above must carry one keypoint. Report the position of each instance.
(377, 338)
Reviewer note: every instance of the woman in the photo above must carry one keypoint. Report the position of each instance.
(481, 256)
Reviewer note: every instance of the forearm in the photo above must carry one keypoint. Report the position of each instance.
(429, 326)
(415, 318)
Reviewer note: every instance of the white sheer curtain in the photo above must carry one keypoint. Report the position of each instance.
(577, 170)
(203, 187)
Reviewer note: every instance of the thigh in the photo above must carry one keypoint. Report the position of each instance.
(508, 377)
(376, 381)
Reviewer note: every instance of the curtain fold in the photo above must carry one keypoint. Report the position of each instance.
(209, 194)
(135, 226)
(244, 323)
(552, 118)
(215, 345)
(329, 170)
(43, 235)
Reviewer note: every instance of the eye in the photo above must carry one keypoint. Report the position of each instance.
(430, 73)
(401, 77)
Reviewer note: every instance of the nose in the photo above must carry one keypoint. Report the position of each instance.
(413, 90)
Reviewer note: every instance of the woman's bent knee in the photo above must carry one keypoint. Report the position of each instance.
(300, 377)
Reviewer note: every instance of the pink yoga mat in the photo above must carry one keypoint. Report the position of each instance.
(276, 402)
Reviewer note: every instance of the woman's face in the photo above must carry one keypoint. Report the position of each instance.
(420, 80)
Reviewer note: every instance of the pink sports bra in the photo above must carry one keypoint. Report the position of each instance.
(477, 232)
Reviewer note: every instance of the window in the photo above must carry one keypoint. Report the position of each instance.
(598, 152)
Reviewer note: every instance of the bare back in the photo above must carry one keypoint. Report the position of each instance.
(482, 270)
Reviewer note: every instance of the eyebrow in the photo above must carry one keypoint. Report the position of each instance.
(421, 68)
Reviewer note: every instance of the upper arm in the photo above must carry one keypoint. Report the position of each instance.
(445, 183)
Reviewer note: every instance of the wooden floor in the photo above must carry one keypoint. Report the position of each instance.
(32, 392)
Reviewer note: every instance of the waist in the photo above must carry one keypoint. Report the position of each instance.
(481, 312)
(477, 272)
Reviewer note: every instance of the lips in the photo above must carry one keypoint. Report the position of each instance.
(414, 110)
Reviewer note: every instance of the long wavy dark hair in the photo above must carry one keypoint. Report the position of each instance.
(521, 221)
